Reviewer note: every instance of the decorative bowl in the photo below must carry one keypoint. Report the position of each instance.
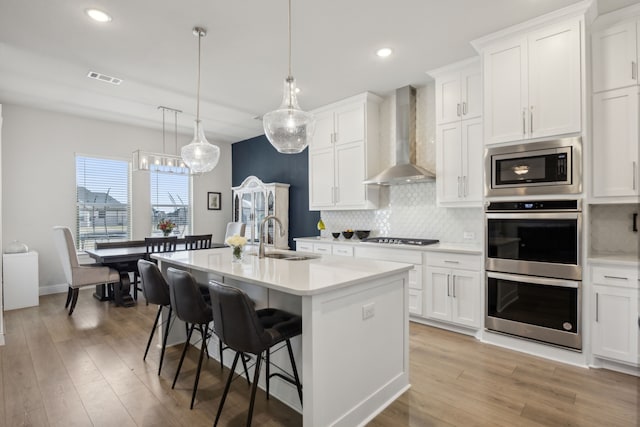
(335, 234)
(347, 234)
(362, 234)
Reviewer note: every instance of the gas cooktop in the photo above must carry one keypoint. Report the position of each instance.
(401, 241)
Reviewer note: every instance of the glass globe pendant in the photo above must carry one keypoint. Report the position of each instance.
(199, 155)
(289, 129)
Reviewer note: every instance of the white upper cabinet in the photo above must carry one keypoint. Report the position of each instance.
(343, 153)
(458, 94)
(459, 146)
(532, 84)
(615, 144)
(615, 56)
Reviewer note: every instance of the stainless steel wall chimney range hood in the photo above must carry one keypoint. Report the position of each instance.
(405, 170)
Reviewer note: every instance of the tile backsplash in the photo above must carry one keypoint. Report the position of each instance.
(611, 229)
(411, 212)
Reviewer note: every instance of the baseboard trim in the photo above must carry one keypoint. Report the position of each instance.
(53, 289)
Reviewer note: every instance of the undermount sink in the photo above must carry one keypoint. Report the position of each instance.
(289, 257)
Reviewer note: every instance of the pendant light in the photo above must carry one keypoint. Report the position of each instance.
(162, 162)
(289, 129)
(199, 155)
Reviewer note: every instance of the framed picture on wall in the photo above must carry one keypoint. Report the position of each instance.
(213, 201)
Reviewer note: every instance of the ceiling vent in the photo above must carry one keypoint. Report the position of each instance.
(104, 78)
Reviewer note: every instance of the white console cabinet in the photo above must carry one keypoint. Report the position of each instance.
(20, 279)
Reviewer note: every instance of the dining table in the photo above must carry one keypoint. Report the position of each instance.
(125, 260)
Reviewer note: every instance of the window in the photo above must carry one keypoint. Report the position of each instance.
(102, 201)
(170, 200)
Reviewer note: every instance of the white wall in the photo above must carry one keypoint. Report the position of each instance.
(38, 178)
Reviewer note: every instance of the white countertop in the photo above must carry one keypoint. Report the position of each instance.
(315, 276)
(463, 248)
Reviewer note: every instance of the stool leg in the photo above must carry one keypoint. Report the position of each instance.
(202, 348)
(220, 349)
(164, 338)
(184, 351)
(226, 389)
(153, 331)
(295, 370)
(254, 388)
(246, 371)
(267, 376)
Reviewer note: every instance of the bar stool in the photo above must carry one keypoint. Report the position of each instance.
(191, 308)
(246, 330)
(156, 291)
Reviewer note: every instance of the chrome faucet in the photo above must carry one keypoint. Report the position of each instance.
(261, 233)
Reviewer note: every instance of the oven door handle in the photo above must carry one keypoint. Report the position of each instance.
(534, 280)
(535, 215)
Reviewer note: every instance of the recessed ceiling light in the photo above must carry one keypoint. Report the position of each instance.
(384, 52)
(98, 15)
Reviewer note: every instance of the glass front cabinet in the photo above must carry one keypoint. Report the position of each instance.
(253, 200)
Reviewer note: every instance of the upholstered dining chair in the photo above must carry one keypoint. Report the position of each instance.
(195, 242)
(246, 330)
(78, 275)
(156, 291)
(234, 228)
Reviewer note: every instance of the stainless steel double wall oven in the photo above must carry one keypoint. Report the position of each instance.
(533, 247)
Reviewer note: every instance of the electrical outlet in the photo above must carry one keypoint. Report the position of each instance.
(468, 235)
(368, 310)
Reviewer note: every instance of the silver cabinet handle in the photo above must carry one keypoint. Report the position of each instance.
(465, 186)
(531, 120)
(337, 194)
(616, 277)
(524, 125)
(459, 187)
(448, 288)
(634, 174)
(464, 108)
(453, 281)
(451, 262)
(458, 109)
(597, 310)
(634, 70)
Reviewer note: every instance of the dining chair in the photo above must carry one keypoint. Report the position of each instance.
(155, 245)
(246, 330)
(234, 228)
(78, 275)
(156, 291)
(195, 242)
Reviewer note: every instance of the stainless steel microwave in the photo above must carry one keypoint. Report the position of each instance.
(544, 167)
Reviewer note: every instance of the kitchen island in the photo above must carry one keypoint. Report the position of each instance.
(354, 348)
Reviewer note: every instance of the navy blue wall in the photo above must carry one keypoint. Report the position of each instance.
(256, 156)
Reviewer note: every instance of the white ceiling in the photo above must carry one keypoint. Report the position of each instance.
(48, 47)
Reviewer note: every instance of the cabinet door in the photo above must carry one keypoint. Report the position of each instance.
(448, 165)
(323, 134)
(615, 323)
(321, 181)
(465, 298)
(448, 94)
(437, 293)
(554, 80)
(615, 143)
(614, 60)
(349, 161)
(349, 123)
(471, 95)
(415, 302)
(505, 91)
(472, 157)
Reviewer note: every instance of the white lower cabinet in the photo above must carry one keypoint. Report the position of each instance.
(615, 327)
(453, 294)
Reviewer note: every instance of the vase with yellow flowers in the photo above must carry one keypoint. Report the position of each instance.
(237, 243)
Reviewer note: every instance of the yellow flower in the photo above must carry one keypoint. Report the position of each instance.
(236, 240)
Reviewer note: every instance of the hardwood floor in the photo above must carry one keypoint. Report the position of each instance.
(87, 369)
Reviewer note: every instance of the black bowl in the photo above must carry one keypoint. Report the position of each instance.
(347, 234)
(362, 234)
(335, 234)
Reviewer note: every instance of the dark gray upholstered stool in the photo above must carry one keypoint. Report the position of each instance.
(156, 291)
(246, 330)
(190, 307)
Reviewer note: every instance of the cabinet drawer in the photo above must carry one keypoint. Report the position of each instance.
(626, 277)
(415, 278)
(322, 248)
(304, 246)
(450, 260)
(342, 250)
(415, 302)
(382, 254)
